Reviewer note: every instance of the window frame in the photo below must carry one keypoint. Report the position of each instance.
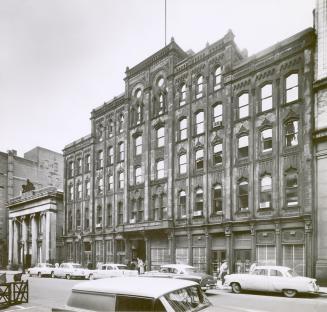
(265, 193)
(199, 125)
(160, 140)
(217, 201)
(265, 141)
(199, 159)
(241, 106)
(291, 88)
(182, 94)
(182, 132)
(287, 135)
(138, 177)
(138, 146)
(217, 154)
(160, 172)
(241, 149)
(265, 98)
(182, 165)
(243, 195)
(291, 174)
(199, 87)
(217, 78)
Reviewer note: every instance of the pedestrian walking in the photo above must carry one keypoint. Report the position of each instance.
(140, 264)
(223, 271)
(252, 267)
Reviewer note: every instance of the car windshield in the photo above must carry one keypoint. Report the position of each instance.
(76, 266)
(291, 273)
(121, 267)
(187, 299)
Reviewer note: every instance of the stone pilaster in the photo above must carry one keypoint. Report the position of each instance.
(15, 242)
(34, 240)
(10, 242)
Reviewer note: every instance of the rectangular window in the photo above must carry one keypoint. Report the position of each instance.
(138, 175)
(199, 160)
(110, 155)
(110, 182)
(121, 180)
(86, 219)
(161, 137)
(100, 160)
(292, 88)
(199, 123)
(87, 163)
(266, 140)
(70, 169)
(79, 166)
(217, 199)
(159, 256)
(266, 255)
(291, 133)
(160, 169)
(121, 151)
(199, 258)
(120, 214)
(292, 189)
(266, 97)
(243, 105)
(294, 258)
(109, 215)
(218, 154)
(109, 252)
(99, 251)
(182, 164)
(182, 256)
(138, 145)
(183, 129)
(217, 115)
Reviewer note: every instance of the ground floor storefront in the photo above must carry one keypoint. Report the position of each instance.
(287, 243)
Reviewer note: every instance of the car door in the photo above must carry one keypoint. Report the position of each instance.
(257, 280)
(279, 280)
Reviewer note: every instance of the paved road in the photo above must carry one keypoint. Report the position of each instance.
(46, 293)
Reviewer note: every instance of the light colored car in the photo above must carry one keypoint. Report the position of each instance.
(272, 279)
(111, 270)
(70, 270)
(187, 272)
(137, 294)
(41, 269)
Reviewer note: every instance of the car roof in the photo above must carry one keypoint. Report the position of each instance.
(176, 266)
(274, 267)
(134, 286)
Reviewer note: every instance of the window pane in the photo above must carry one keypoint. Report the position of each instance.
(292, 91)
(243, 141)
(244, 112)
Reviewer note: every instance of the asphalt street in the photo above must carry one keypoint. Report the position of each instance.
(45, 293)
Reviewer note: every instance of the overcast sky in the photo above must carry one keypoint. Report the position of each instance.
(59, 59)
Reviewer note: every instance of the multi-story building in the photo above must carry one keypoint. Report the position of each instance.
(40, 166)
(204, 157)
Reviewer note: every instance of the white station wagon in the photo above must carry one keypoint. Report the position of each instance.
(111, 270)
(137, 294)
(272, 279)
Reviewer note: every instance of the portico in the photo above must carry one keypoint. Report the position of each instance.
(35, 219)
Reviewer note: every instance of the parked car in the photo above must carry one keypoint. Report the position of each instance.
(137, 294)
(70, 270)
(187, 272)
(272, 279)
(111, 270)
(41, 269)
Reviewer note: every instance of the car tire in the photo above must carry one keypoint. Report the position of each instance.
(52, 275)
(289, 293)
(39, 274)
(68, 276)
(236, 288)
(91, 277)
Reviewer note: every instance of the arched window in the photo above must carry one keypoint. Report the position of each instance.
(100, 160)
(243, 105)
(243, 146)
(217, 153)
(199, 122)
(265, 191)
(121, 180)
(266, 97)
(110, 155)
(292, 88)
(182, 163)
(291, 133)
(182, 95)
(217, 117)
(161, 136)
(243, 195)
(199, 159)
(266, 140)
(217, 78)
(199, 87)
(182, 204)
(121, 123)
(198, 209)
(217, 201)
(160, 169)
(121, 149)
(138, 175)
(291, 188)
(138, 145)
(138, 113)
(161, 107)
(183, 128)
(99, 216)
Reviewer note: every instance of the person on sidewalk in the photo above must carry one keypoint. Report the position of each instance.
(223, 271)
(252, 267)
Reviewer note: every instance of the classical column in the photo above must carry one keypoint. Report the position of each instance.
(208, 252)
(46, 237)
(24, 239)
(308, 249)
(148, 253)
(15, 242)
(43, 234)
(190, 248)
(10, 243)
(34, 239)
(253, 243)
(229, 248)
(172, 247)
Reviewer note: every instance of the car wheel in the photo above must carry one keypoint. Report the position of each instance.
(68, 276)
(91, 277)
(290, 293)
(39, 274)
(52, 275)
(236, 288)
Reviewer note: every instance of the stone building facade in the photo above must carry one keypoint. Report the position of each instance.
(41, 166)
(35, 227)
(204, 157)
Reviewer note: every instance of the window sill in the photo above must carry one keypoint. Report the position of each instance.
(292, 102)
(266, 111)
(242, 119)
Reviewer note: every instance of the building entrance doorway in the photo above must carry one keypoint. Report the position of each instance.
(242, 260)
(217, 258)
(138, 249)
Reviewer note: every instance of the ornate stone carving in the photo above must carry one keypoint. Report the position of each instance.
(29, 186)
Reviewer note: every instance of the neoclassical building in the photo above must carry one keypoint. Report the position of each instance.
(35, 227)
(204, 157)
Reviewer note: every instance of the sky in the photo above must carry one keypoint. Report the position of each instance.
(59, 59)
